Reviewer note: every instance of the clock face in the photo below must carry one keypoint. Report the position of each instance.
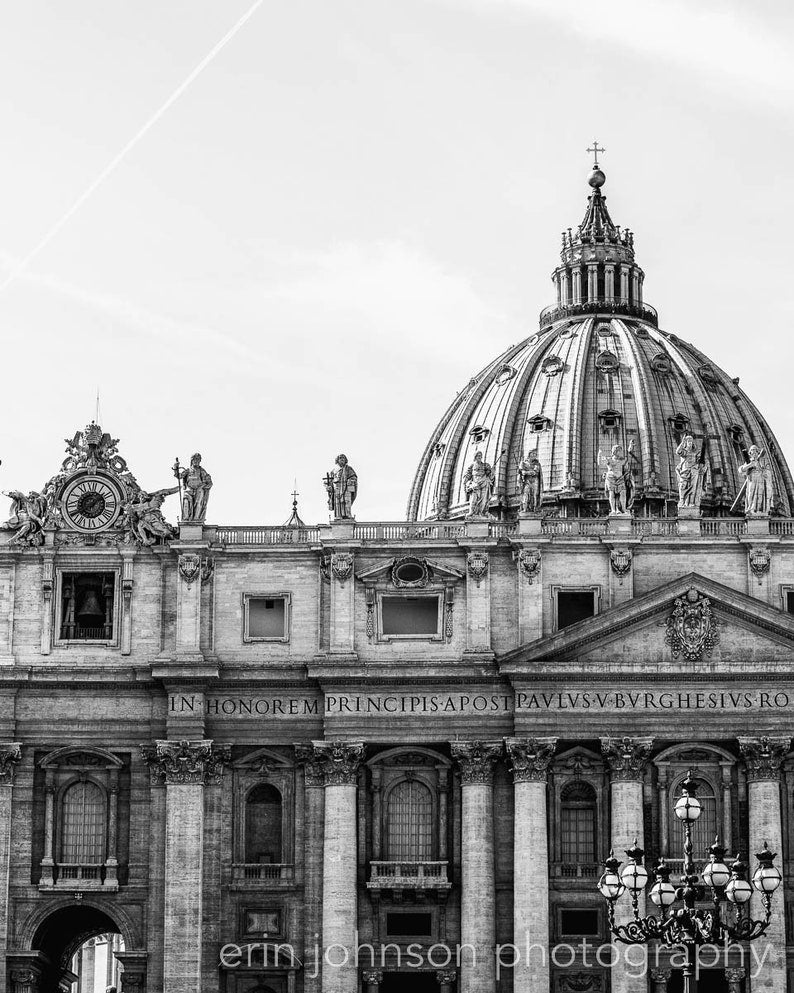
(91, 503)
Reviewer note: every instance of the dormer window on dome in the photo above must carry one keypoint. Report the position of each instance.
(660, 363)
(609, 418)
(607, 362)
(538, 423)
(553, 365)
(505, 374)
(479, 434)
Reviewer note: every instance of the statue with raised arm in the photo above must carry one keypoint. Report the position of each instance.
(690, 472)
(530, 481)
(617, 479)
(478, 484)
(143, 518)
(195, 483)
(758, 485)
(28, 516)
(341, 485)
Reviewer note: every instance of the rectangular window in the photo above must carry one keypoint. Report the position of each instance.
(579, 922)
(409, 925)
(790, 601)
(574, 606)
(87, 606)
(266, 617)
(410, 616)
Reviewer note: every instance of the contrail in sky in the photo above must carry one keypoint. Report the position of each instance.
(103, 175)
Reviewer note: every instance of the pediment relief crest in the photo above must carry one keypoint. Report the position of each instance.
(408, 571)
(692, 629)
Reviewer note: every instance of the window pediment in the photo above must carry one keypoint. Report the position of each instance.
(71, 757)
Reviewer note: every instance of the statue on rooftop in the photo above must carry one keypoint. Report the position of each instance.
(618, 480)
(758, 483)
(530, 478)
(143, 519)
(195, 484)
(691, 472)
(478, 483)
(28, 517)
(341, 485)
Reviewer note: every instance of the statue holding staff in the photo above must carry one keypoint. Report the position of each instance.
(195, 483)
(758, 483)
(341, 485)
(618, 481)
(690, 472)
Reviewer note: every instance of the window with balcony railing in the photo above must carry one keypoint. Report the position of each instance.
(263, 817)
(578, 822)
(410, 822)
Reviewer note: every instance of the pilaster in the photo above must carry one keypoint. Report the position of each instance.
(475, 760)
(529, 562)
(314, 807)
(763, 757)
(10, 755)
(184, 767)
(478, 601)
(627, 759)
(342, 576)
(529, 760)
(340, 762)
(7, 595)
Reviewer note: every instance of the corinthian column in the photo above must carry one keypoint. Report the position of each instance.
(529, 760)
(10, 754)
(627, 759)
(313, 797)
(476, 760)
(762, 760)
(340, 762)
(184, 767)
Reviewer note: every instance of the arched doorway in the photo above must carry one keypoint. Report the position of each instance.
(54, 942)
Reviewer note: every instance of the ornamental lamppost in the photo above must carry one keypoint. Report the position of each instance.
(685, 925)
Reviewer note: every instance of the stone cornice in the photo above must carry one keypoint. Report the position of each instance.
(340, 761)
(763, 756)
(529, 758)
(186, 762)
(626, 757)
(10, 754)
(476, 760)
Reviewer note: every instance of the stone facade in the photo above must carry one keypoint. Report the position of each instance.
(248, 751)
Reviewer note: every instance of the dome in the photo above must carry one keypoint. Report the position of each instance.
(599, 372)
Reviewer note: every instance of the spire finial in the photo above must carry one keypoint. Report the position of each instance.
(595, 150)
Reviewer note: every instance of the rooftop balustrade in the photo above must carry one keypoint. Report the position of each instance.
(453, 531)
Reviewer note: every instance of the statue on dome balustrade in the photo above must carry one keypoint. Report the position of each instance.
(618, 479)
(530, 477)
(28, 516)
(758, 484)
(691, 472)
(195, 484)
(478, 483)
(341, 485)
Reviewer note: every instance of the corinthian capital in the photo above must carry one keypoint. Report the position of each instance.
(762, 756)
(180, 762)
(306, 756)
(340, 761)
(626, 757)
(476, 759)
(529, 758)
(10, 754)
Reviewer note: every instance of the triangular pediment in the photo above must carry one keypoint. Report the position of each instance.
(661, 630)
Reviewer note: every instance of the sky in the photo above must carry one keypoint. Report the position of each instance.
(310, 244)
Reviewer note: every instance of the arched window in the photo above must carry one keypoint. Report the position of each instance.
(83, 824)
(263, 825)
(704, 829)
(578, 817)
(410, 822)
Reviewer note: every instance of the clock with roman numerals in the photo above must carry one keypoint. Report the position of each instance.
(91, 502)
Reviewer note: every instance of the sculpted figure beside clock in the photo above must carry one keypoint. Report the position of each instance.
(195, 483)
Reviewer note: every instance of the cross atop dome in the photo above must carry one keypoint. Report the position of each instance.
(595, 150)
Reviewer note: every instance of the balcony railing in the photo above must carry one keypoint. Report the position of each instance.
(256, 872)
(409, 875)
(577, 870)
(556, 313)
(79, 876)
(452, 531)
(267, 536)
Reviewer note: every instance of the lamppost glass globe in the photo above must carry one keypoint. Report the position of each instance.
(635, 875)
(610, 885)
(738, 891)
(688, 807)
(766, 877)
(663, 893)
(715, 873)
